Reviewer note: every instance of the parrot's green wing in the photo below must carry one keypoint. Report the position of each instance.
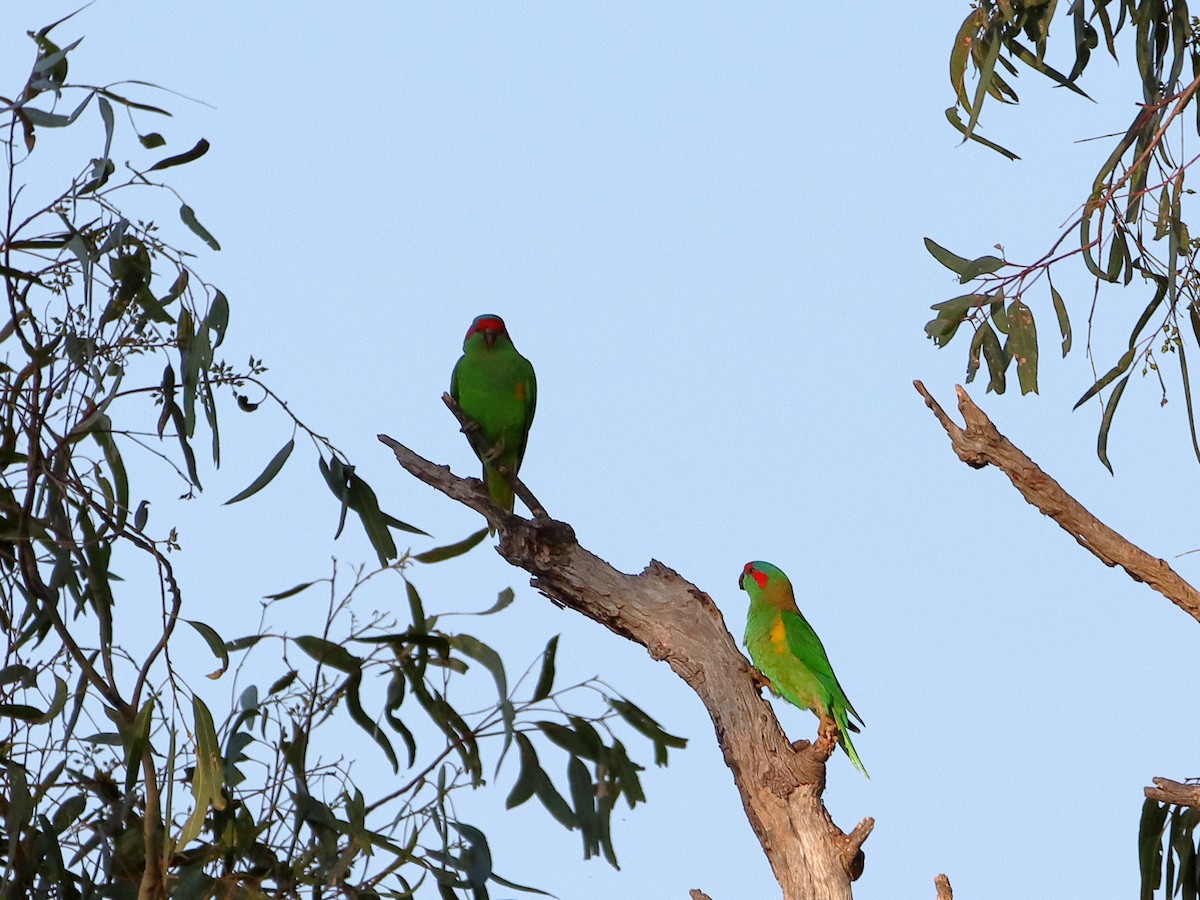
(806, 646)
(530, 382)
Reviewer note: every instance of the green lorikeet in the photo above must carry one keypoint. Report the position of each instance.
(494, 385)
(788, 652)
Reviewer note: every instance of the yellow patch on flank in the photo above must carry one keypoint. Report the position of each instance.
(779, 637)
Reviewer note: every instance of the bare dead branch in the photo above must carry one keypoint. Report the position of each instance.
(1168, 791)
(944, 891)
(981, 444)
(676, 622)
(698, 895)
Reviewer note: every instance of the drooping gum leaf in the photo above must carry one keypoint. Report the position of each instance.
(1064, 322)
(985, 70)
(1106, 422)
(1187, 395)
(179, 159)
(136, 739)
(354, 704)
(215, 643)
(106, 113)
(290, 591)
(267, 475)
(439, 554)
(206, 777)
(523, 788)
(995, 357)
(583, 801)
(1150, 832)
(951, 261)
(545, 682)
(188, 215)
(953, 119)
(364, 502)
(329, 653)
(1105, 380)
(1022, 345)
(1021, 52)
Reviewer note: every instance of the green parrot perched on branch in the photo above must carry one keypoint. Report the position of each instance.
(788, 652)
(494, 385)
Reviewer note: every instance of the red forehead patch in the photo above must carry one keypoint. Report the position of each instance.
(486, 323)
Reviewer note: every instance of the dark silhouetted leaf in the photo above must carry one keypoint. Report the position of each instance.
(1064, 323)
(953, 119)
(215, 643)
(1108, 377)
(354, 704)
(951, 261)
(137, 738)
(21, 711)
(282, 682)
(1150, 833)
(206, 777)
(583, 800)
(1022, 345)
(292, 591)
(476, 858)
(243, 643)
(526, 781)
(415, 607)
(567, 738)
(545, 682)
(267, 474)
(995, 357)
(1187, 396)
(178, 160)
(188, 216)
(641, 722)
(329, 653)
(1106, 422)
(439, 554)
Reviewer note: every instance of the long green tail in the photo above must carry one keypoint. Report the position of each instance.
(843, 724)
(498, 488)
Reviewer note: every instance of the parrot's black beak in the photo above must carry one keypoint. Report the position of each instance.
(741, 578)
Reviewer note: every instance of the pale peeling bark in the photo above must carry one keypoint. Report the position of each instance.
(676, 622)
(981, 444)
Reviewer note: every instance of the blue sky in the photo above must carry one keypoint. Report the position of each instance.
(703, 224)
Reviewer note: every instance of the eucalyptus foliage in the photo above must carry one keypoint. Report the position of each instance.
(121, 779)
(1131, 228)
